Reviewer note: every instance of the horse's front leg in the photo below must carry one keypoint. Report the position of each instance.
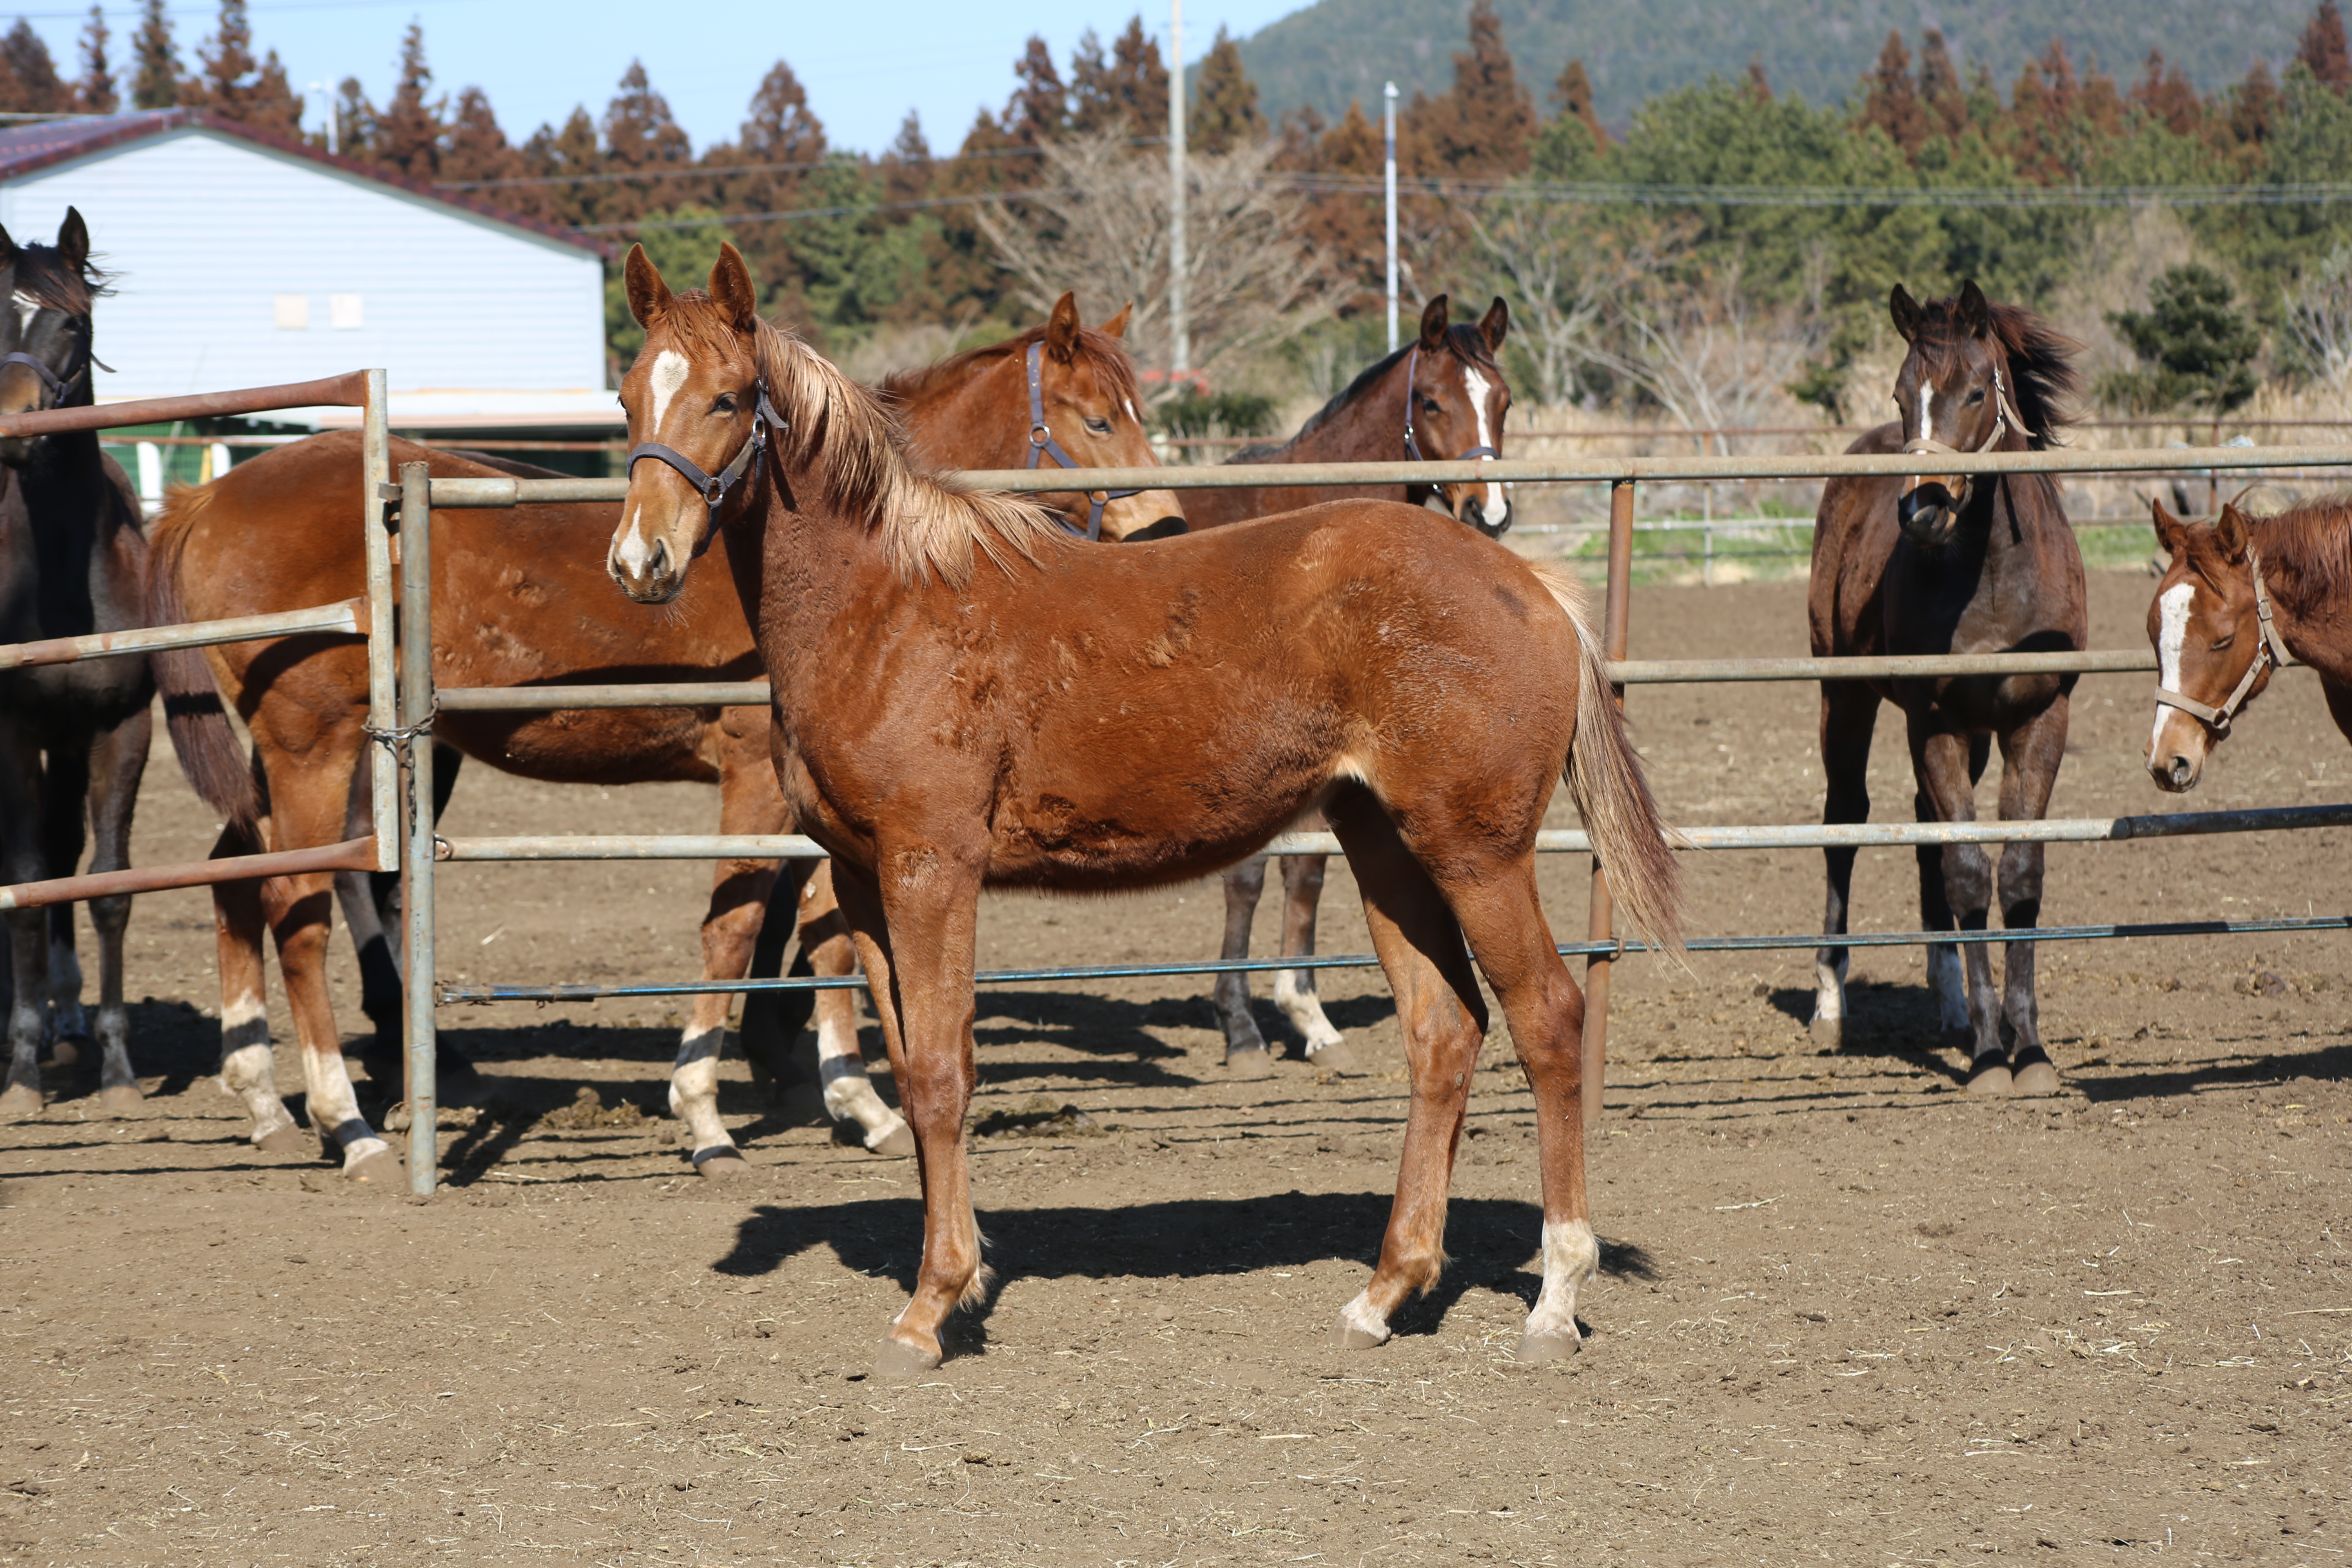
(1849, 716)
(1294, 989)
(916, 924)
(1941, 761)
(28, 931)
(2030, 756)
(1245, 1052)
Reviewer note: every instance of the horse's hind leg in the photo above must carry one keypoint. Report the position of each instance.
(1445, 1022)
(1245, 1053)
(1294, 989)
(739, 901)
(1946, 979)
(1849, 717)
(249, 1065)
(1940, 763)
(2030, 757)
(117, 758)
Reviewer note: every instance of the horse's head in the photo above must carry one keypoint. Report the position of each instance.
(1455, 401)
(45, 338)
(1954, 394)
(698, 421)
(2207, 623)
(1083, 402)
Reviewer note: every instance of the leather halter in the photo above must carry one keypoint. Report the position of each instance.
(714, 488)
(1041, 444)
(56, 386)
(1412, 446)
(2004, 411)
(2272, 651)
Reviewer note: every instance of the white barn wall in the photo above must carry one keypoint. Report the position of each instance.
(204, 231)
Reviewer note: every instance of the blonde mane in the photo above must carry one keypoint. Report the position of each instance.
(928, 527)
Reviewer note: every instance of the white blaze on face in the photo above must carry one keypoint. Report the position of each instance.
(26, 307)
(669, 375)
(1926, 415)
(1497, 506)
(2172, 608)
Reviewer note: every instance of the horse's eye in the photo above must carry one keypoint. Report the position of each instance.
(723, 404)
(1099, 427)
(1975, 398)
(2225, 642)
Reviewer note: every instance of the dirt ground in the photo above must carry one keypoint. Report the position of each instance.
(1848, 1314)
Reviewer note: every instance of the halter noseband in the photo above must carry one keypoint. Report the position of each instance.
(1412, 446)
(1041, 444)
(2004, 411)
(714, 488)
(2272, 651)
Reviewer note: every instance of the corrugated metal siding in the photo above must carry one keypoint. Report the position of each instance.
(203, 233)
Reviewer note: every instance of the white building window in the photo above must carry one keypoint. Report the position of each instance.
(293, 312)
(344, 313)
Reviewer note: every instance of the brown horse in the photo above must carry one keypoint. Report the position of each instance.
(305, 701)
(2242, 595)
(1935, 564)
(1441, 398)
(1078, 386)
(965, 699)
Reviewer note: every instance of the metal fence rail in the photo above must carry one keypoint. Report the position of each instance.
(422, 493)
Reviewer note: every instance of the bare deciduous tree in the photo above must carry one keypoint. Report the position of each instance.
(1098, 223)
(2318, 321)
(1706, 352)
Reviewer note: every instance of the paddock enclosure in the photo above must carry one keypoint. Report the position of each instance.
(1844, 1309)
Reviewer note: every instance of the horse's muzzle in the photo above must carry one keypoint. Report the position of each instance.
(1473, 511)
(657, 579)
(2174, 771)
(1928, 510)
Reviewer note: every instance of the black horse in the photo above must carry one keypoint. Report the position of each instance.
(73, 737)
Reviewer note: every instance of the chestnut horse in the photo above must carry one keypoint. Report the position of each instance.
(1932, 565)
(964, 698)
(498, 622)
(2242, 595)
(73, 737)
(1441, 398)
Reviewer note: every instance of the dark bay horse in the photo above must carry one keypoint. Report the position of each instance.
(73, 737)
(1934, 564)
(2243, 593)
(960, 694)
(1441, 397)
(505, 613)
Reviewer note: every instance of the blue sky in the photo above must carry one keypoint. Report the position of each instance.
(864, 64)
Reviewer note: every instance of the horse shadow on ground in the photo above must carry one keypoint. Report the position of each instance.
(1490, 1243)
(169, 1040)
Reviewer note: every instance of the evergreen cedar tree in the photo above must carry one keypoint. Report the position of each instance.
(904, 248)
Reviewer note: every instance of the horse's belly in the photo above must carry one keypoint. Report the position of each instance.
(608, 746)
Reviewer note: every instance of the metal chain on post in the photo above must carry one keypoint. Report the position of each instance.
(413, 742)
(1598, 928)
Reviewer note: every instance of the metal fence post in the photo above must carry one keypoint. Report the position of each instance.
(1596, 968)
(417, 867)
(375, 474)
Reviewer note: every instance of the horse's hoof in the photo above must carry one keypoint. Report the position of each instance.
(120, 1098)
(66, 1051)
(284, 1139)
(19, 1102)
(1337, 1057)
(382, 1169)
(1829, 1034)
(1352, 1335)
(723, 1163)
(898, 1143)
(898, 1361)
(1535, 1347)
(1249, 1064)
(1991, 1078)
(2037, 1076)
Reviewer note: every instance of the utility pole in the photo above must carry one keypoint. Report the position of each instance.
(1389, 115)
(327, 101)
(1180, 329)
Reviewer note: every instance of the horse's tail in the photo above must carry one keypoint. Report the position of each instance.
(202, 736)
(1604, 777)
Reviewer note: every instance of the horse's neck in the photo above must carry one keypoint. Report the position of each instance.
(1370, 429)
(980, 422)
(69, 500)
(798, 566)
(2312, 618)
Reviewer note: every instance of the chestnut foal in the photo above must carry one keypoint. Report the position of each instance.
(961, 689)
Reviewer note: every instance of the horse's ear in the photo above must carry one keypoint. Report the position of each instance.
(73, 240)
(1496, 325)
(1976, 311)
(1117, 326)
(731, 286)
(7, 248)
(1062, 328)
(2171, 533)
(648, 295)
(2231, 534)
(1433, 326)
(1908, 317)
